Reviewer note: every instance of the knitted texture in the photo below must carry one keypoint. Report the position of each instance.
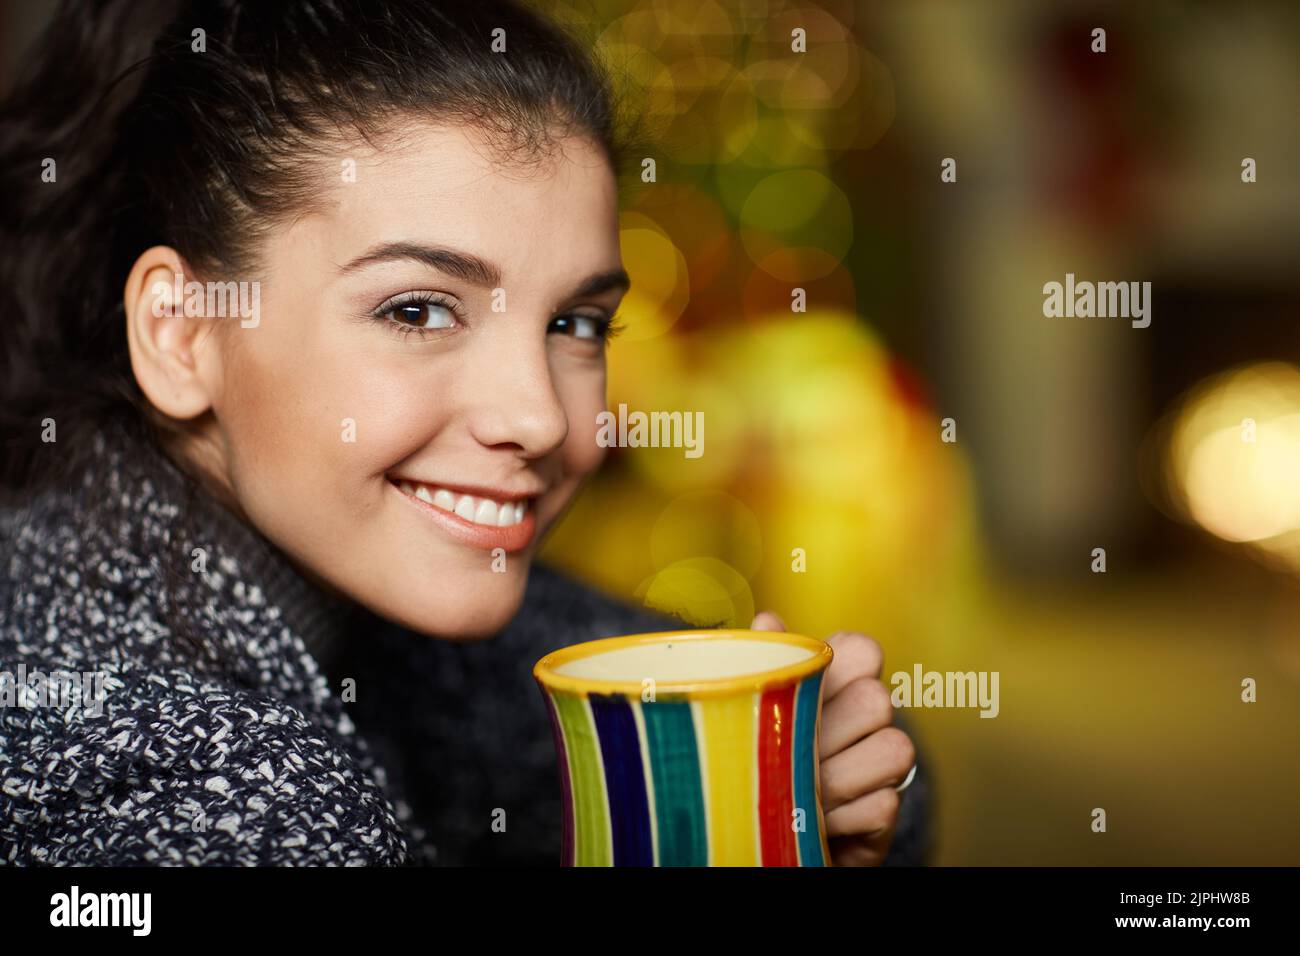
(232, 752)
(221, 736)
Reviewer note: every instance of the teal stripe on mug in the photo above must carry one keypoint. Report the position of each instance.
(678, 794)
(805, 770)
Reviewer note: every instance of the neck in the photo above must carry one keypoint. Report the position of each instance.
(209, 512)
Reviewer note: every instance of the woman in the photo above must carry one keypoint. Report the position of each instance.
(305, 315)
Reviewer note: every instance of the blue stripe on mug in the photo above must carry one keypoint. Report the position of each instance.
(629, 807)
(805, 771)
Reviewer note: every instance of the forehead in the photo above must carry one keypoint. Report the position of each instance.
(450, 186)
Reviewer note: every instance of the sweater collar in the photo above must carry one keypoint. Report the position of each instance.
(265, 576)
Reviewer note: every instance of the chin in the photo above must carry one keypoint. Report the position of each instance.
(475, 613)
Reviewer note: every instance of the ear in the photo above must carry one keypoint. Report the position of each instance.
(162, 339)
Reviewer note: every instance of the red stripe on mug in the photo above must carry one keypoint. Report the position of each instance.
(775, 781)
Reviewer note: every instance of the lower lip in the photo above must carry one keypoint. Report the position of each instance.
(513, 537)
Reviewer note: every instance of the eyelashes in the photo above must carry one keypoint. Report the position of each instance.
(614, 327)
(417, 313)
(586, 327)
(401, 312)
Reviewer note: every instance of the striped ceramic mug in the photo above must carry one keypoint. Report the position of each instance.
(695, 748)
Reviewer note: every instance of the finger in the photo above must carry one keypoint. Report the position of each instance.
(880, 760)
(860, 709)
(854, 851)
(856, 655)
(767, 621)
(872, 815)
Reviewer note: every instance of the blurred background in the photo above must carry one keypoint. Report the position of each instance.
(826, 491)
(778, 170)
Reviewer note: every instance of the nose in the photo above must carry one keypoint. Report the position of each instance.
(517, 406)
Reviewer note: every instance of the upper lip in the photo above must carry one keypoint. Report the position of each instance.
(478, 491)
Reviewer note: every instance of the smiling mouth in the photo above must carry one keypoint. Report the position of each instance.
(489, 512)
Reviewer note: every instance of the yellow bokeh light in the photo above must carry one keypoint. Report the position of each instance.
(661, 284)
(1233, 456)
(799, 207)
(708, 522)
(1244, 491)
(736, 117)
(782, 140)
(703, 591)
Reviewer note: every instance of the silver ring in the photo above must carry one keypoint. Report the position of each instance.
(908, 782)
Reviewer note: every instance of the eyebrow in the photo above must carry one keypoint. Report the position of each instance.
(470, 268)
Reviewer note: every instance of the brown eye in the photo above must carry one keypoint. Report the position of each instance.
(422, 315)
(588, 327)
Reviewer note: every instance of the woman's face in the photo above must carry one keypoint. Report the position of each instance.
(417, 404)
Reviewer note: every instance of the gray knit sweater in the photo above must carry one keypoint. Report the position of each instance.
(199, 703)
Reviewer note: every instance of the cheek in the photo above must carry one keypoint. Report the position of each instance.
(582, 455)
(583, 399)
(307, 423)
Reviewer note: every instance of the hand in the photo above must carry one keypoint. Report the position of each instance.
(862, 758)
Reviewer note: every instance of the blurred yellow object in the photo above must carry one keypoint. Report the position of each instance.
(824, 491)
(661, 284)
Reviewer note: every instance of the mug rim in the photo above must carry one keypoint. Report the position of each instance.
(544, 669)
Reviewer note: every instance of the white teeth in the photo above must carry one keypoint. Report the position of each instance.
(484, 511)
(487, 512)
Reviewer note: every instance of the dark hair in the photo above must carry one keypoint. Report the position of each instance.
(158, 143)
